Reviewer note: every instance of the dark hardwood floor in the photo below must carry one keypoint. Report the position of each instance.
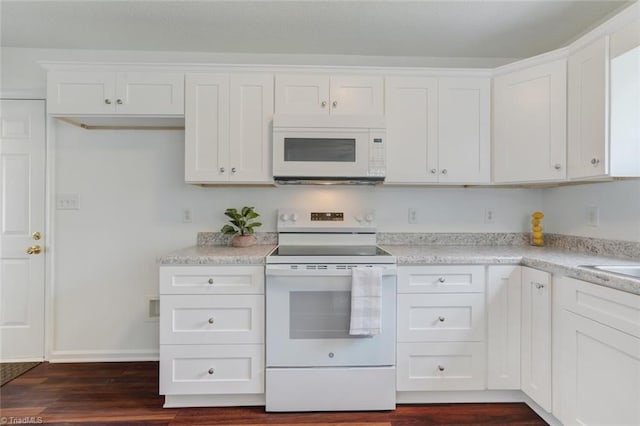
(127, 393)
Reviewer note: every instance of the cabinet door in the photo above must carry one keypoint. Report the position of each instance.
(250, 115)
(530, 121)
(503, 327)
(150, 93)
(600, 381)
(412, 129)
(302, 94)
(587, 111)
(81, 92)
(356, 95)
(206, 128)
(463, 130)
(536, 336)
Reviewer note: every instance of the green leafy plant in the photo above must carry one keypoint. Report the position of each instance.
(241, 221)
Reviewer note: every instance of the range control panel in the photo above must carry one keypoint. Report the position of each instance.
(330, 220)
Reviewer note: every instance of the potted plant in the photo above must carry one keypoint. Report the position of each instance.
(241, 226)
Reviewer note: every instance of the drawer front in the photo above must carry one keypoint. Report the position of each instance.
(441, 279)
(224, 319)
(615, 308)
(211, 369)
(441, 317)
(441, 366)
(212, 280)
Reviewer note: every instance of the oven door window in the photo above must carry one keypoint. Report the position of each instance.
(319, 314)
(320, 149)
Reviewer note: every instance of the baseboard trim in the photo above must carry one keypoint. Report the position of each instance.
(181, 401)
(104, 356)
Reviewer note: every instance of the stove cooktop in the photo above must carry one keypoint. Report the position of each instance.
(329, 251)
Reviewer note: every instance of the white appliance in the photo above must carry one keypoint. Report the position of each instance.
(312, 362)
(339, 149)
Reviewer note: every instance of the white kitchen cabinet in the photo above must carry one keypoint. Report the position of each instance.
(535, 336)
(228, 128)
(324, 94)
(599, 352)
(115, 93)
(438, 130)
(212, 335)
(441, 328)
(503, 326)
(529, 123)
(588, 138)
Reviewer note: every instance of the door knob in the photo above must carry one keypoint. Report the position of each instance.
(34, 250)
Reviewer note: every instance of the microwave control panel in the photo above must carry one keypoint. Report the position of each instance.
(377, 153)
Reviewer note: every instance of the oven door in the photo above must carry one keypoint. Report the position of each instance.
(308, 316)
(320, 153)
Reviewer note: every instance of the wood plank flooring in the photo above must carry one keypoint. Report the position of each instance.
(127, 394)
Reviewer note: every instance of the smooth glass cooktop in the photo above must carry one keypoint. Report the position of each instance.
(330, 251)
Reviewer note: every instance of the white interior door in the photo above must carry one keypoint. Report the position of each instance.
(22, 217)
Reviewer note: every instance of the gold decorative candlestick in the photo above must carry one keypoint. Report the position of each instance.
(536, 229)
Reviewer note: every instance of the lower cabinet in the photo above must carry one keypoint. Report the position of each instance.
(212, 344)
(598, 379)
(441, 328)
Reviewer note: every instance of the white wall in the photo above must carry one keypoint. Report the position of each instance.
(567, 210)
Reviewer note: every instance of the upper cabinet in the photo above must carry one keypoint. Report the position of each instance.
(530, 120)
(114, 93)
(588, 139)
(324, 94)
(228, 128)
(437, 130)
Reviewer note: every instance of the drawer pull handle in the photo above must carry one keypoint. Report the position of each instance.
(211, 320)
(211, 371)
(441, 367)
(538, 285)
(441, 280)
(210, 281)
(441, 319)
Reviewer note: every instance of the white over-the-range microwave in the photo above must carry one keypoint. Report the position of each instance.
(329, 149)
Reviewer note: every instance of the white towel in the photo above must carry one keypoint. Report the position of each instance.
(366, 301)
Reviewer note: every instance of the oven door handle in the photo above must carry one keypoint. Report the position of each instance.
(287, 271)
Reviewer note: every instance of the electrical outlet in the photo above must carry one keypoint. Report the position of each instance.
(187, 215)
(489, 215)
(413, 216)
(593, 216)
(67, 202)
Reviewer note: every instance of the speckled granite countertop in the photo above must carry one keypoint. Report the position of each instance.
(553, 260)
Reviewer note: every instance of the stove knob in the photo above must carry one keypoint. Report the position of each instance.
(359, 218)
(284, 217)
(294, 217)
(369, 218)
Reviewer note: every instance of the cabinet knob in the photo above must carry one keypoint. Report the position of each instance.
(334, 104)
(323, 104)
(441, 280)
(211, 371)
(441, 367)
(107, 101)
(441, 319)
(444, 171)
(557, 166)
(434, 171)
(211, 320)
(210, 281)
(221, 169)
(595, 161)
(233, 170)
(538, 285)
(119, 101)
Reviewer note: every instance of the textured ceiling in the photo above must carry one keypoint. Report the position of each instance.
(472, 28)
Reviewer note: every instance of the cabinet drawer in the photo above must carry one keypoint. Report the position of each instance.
(211, 319)
(211, 369)
(441, 366)
(441, 279)
(615, 308)
(441, 317)
(212, 280)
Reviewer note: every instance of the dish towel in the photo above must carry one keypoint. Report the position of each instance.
(366, 301)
